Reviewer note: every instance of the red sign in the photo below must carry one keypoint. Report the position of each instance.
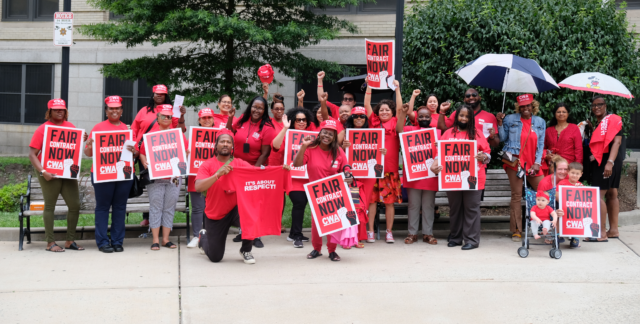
(364, 153)
(62, 151)
(331, 205)
(380, 63)
(419, 150)
(202, 141)
(459, 166)
(165, 154)
(292, 144)
(107, 148)
(581, 207)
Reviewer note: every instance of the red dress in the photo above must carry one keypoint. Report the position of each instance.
(528, 140)
(567, 144)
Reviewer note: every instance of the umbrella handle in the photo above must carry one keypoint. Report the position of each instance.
(503, 99)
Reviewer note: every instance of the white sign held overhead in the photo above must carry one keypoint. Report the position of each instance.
(63, 29)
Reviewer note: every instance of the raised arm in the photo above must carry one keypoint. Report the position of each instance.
(300, 96)
(265, 91)
(323, 105)
(442, 123)
(277, 141)
(412, 116)
(320, 87)
(367, 101)
(402, 114)
(398, 94)
(229, 125)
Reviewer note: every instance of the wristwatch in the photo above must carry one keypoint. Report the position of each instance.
(42, 172)
(612, 163)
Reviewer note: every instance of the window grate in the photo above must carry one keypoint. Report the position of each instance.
(25, 90)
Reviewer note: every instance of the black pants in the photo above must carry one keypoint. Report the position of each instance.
(464, 216)
(141, 167)
(299, 200)
(213, 243)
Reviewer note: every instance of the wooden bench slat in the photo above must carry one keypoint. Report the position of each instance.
(131, 208)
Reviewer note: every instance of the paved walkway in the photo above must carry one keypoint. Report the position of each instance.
(382, 283)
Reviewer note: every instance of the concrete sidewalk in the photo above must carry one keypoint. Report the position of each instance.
(382, 283)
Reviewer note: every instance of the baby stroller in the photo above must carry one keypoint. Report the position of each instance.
(530, 201)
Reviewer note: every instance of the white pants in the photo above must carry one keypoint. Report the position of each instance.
(534, 226)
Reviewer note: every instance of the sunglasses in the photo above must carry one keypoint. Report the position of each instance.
(469, 95)
(347, 99)
(301, 120)
(359, 116)
(598, 105)
(164, 117)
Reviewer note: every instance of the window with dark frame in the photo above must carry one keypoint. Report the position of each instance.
(25, 90)
(379, 7)
(113, 16)
(135, 95)
(29, 10)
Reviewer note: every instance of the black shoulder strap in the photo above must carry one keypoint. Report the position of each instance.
(148, 129)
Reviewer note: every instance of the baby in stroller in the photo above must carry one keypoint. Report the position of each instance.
(541, 214)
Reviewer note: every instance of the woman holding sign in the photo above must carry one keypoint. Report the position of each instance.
(111, 196)
(163, 193)
(386, 190)
(523, 134)
(323, 158)
(52, 186)
(301, 119)
(465, 204)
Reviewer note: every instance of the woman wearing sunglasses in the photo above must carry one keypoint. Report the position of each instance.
(386, 190)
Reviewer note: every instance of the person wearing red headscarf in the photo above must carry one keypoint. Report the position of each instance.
(608, 147)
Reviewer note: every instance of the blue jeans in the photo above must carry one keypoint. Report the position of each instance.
(114, 196)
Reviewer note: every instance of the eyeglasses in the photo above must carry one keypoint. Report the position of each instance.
(359, 116)
(599, 105)
(469, 95)
(164, 117)
(301, 120)
(257, 108)
(225, 102)
(278, 109)
(348, 99)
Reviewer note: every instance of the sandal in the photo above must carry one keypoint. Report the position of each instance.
(429, 239)
(345, 247)
(411, 239)
(595, 240)
(170, 245)
(155, 247)
(334, 256)
(314, 254)
(75, 246)
(50, 249)
(360, 245)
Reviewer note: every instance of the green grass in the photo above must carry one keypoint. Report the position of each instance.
(11, 219)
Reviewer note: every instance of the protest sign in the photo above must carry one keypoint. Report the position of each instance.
(331, 205)
(292, 143)
(419, 150)
(459, 166)
(165, 154)
(581, 207)
(202, 141)
(107, 148)
(62, 151)
(364, 153)
(380, 63)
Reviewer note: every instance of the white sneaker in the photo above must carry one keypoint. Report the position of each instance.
(193, 243)
(247, 257)
(370, 237)
(390, 237)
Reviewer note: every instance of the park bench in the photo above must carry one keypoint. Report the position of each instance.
(34, 196)
(497, 193)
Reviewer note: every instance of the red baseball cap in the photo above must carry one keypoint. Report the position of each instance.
(166, 110)
(205, 112)
(542, 194)
(525, 99)
(113, 101)
(265, 73)
(224, 131)
(57, 104)
(160, 88)
(329, 124)
(358, 111)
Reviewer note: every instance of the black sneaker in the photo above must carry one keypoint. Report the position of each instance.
(238, 238)
(106, 249)
(303, 239)
(297, 243)
(258, 243)
(247, 257)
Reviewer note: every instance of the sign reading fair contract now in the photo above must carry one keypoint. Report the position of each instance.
(331, 205)
(419, 151)
(165, 154)
(107, 148)
(459, 166)
(62, 150)
(63, 29)
(380, 63)
(363, 155)
(202, 141)
(292, 143)
(581, 207)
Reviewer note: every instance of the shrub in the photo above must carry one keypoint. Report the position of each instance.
(10, 196)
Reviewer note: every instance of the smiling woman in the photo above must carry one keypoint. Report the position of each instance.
(562, 138)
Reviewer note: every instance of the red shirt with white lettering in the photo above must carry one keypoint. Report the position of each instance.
(221, 120)
(319, 164)
(481, 117)
(250, 133)
(38, 136)
(424, 184)
(391, 142)
(483, 146)
(221, 196)
(543, 214)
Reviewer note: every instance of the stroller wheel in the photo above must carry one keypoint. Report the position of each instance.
(552, 253)
(557, 254)
(522, 252)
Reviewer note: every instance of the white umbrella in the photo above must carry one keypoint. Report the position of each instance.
(596, 82)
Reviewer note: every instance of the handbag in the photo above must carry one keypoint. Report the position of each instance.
(136, 190)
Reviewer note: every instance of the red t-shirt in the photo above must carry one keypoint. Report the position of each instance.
(276, 157)
(424, 184)
(107, 126)
(481, 117)
(319, 163)
(221, 120)
(566, 182)
(250, 132)
(434, 120)
(483, 146)
(144, 119)
(335, 111)
(391, 142)
(259, 196)
(38, 136)
(277, 125)
(546, 183)
(144, 152)
(221, 197)
(543, 214)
